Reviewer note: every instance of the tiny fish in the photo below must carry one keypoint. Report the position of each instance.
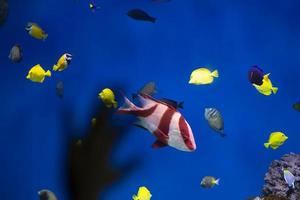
(215, 120)
(93, 6)
(38, 74)
(289, 178)
(143, 194)
(60, 89)
(15, 54)
(108, 98)
(296, 106)
(36, 31)
(276, 139)
(63, 62)
(202, 76)
(141, 15)
(46, 195)
(266, 88)
(209, 182)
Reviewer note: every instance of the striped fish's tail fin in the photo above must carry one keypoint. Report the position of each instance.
(128, 107)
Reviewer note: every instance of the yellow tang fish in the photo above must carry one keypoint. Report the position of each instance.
(36, 31)
(63, 62)
(143, 194)
(203, 76)
(266, 88)
(108, 98)
(276, 139)
(37, 74)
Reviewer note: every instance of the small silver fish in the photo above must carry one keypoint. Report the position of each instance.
(209, 182)
(60, 89)
(15, 54)
(215, 120)
(46, 195)
(289, 178)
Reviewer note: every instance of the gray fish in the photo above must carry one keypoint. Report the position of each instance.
(209, 182)
(60, 89)
(15, 54)
(141, 15)
(215, 120)
(46, 195)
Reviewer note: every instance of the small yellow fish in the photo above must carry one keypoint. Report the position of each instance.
(108, 98)
(36, 31)
(37, 74)
(276, 139)
(203, 76)
(143, 194)
(63, 62)
(266, 88)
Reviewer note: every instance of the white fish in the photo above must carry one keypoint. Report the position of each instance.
(289, 178)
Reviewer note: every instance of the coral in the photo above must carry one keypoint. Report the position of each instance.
(275, 184)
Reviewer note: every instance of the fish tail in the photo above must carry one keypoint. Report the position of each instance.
(153, 19)
(215, 73)
(45, 36)
(48, 73)
(55, 68)
(217, 181)
(274, 89)
(267, 145)
(134, 197)
(128, 107)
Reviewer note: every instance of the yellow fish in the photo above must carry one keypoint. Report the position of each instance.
(266, 88)
(36, 31)
(143, 194)
(108, 98)
(63, 62)
(203, 76)
(276, 139)
(37, 74)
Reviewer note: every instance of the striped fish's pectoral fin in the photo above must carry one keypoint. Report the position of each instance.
(140, 124)
(158, 144)
(161, 135)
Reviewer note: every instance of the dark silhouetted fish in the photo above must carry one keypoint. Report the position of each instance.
(296, 106)
(256, 75)
(141, 15)
(46, 195)
(15, 54)
(60, 89)
(215, 120)
(3, 11)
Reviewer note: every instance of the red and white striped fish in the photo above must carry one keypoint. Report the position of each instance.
(163, 121)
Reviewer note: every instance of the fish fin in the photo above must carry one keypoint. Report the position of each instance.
(158, 144)
(274, 147)
(28, 76)
(55, 68)
(48, 73)
(127, 107)
(140, 124)
(267, 145)
(115, 104)
(161, 135)
(266, 76)
(215, 73)
(45, 37)
(217, 182)
(274, 89)
(134, 197)
(180, 104)
(170, 102)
